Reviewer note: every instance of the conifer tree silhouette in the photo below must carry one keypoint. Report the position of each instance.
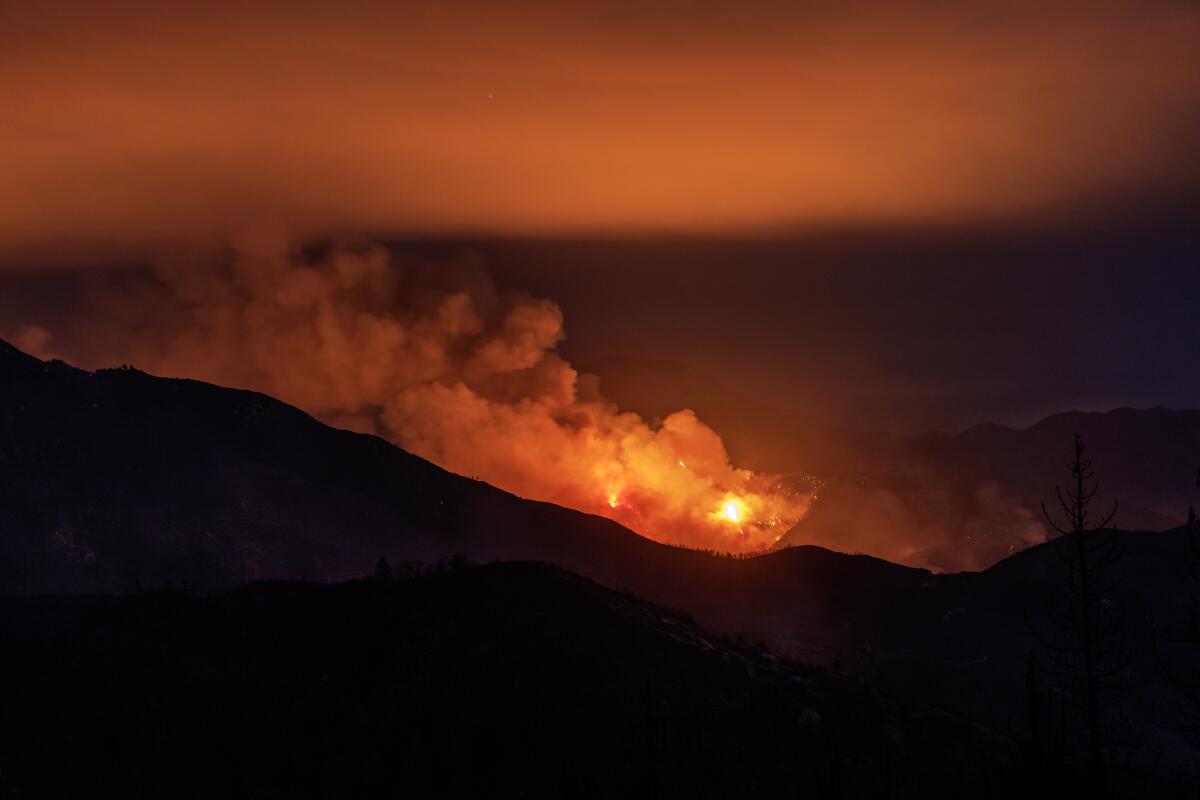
(383, 570)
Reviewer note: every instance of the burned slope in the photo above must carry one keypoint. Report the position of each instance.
(505, 680)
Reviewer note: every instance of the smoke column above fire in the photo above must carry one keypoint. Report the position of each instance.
(446, 364)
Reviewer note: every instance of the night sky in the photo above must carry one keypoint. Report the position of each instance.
(905, 216)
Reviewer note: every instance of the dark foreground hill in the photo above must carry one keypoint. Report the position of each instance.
(511, 680)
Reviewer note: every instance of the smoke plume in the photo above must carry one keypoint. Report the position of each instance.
(446, 364)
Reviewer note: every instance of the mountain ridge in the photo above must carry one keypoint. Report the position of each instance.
(119, 482)
(946, 501)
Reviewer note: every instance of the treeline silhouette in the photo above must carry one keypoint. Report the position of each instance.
(503, 680)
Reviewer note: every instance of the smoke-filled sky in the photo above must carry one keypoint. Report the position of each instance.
(134, 121)
(904, 215)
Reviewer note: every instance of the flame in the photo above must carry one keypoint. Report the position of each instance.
(732, 511)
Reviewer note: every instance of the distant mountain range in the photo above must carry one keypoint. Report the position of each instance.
(944, 501)
(117, 481)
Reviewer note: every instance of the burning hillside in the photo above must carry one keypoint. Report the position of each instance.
(447, 365)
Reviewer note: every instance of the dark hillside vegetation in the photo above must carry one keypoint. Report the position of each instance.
(506, 680)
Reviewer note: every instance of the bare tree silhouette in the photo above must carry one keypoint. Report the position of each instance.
(1085, 665)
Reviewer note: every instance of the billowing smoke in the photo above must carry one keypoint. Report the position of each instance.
(942, 524)
(447, 365)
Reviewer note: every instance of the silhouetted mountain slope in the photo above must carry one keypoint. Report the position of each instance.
(499, 681)
(945, 501)
(1147, 457)
(969, 641)
(115, 479)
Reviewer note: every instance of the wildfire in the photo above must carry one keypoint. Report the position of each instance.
(732, 510)
(467, 375)
(735, 510)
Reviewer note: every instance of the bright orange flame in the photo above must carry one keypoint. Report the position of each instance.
(732, 510)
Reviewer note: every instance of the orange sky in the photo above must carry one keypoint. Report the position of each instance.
(131, 123)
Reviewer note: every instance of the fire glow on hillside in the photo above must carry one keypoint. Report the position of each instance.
(449, 366)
